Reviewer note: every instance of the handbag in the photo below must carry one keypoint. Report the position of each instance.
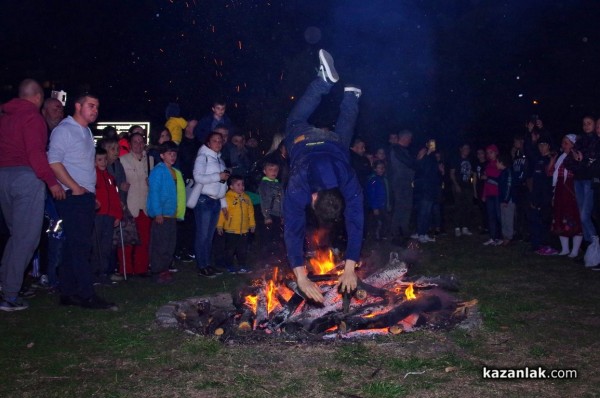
(129, 230)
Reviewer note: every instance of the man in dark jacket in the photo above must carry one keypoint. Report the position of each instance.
(401, 173)
(360, 163)
(321, 176)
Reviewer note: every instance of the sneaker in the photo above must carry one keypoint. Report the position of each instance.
(116, 277)
(189, 257)
(242, 271)
(326, 69)
(489, 242)
(414, 236)
(232, 270)
(426, 239)
(457, 232)
(42, 283)
(206, 272)
(596, 268)
(499, 242)
(172, 267)
(97, 303)
(16, 304)
(465, 231)
(548, 251)
(354, 90)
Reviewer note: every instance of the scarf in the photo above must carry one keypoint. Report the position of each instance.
(559, 162)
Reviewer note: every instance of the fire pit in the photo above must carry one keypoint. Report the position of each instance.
(385, 302)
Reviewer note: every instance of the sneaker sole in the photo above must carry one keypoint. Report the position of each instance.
(13, 309)
(327, 62)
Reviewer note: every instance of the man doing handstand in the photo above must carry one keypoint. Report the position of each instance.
(321, 175)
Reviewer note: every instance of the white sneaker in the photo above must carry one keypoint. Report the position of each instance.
(354, 90)
(465, 231)
(326, 69)
(498, 242)
(415, 236)
(426, 239)
(457, 232)
(489, 242)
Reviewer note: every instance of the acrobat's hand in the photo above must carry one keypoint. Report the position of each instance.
(348, 280)
(308, 287)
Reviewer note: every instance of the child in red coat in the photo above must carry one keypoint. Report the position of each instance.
(108, 215)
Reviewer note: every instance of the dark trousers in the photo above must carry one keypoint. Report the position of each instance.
(206, 214)
(540, 220)
(521, 211)
(272, 236)
(185, 233)
(424, 215)
(463, 207)
(102, 244)
(492, 204)
(75, 275)
(236, 245)
(163, 238)
(378, 224)
(297, 122)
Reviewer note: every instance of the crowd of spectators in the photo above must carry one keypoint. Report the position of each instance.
(202, 191)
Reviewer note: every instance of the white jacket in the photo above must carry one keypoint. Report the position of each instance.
(207, 169)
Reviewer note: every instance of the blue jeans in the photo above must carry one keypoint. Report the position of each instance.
(297, 122)
(75, 273)
(206, 213)
(585, 202)
(424, 215)
(492, 205)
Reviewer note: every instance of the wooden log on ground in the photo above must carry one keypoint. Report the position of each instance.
(396, 314)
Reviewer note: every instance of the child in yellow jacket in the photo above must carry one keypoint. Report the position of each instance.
(239, 222)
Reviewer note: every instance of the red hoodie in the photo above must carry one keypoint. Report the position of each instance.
(107, 195)
(23, 139)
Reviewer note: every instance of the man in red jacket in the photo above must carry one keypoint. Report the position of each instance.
(23, 171)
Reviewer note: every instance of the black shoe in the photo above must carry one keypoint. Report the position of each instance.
(596, 268)
(97, 303)
(215, 271)
(206, 272)
(69, 300)
(27, 292)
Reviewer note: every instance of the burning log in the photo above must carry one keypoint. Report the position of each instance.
(398, 313)
(262, 313)
(245, 320)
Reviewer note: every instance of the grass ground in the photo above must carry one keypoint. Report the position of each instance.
(537, 311)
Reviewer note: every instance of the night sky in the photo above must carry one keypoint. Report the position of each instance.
(445, 69)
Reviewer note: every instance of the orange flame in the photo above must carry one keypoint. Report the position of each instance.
(322, 263)
(270, 290)
(410, 292)
(251, 302)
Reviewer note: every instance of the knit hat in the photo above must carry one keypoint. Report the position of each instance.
(492, 148)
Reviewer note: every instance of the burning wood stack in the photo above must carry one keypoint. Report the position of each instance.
(385, 302)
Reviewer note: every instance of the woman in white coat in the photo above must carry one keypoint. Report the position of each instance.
(209, 174)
